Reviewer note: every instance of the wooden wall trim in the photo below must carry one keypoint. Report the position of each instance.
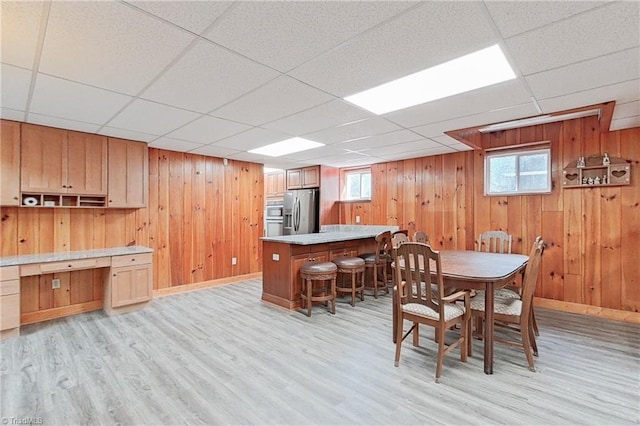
(595, 311)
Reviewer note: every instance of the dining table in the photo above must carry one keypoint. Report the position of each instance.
(477, 270)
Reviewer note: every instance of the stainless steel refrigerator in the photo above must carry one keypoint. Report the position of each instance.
(301, 211)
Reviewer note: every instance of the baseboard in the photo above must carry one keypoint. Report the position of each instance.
(205, 284)
(596, 311)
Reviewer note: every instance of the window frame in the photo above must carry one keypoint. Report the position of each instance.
(344, 173)
(517, 153)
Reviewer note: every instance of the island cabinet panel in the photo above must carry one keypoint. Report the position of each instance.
(10, 163)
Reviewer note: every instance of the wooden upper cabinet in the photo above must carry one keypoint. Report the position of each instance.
(10, 163)
(306, 177)
(43, 159)
(274, 184)
(63, 162)
(128, 174)
(87, 164)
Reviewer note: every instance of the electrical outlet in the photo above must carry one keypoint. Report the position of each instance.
(275, 256)
(357, 219)
(55, 283)
(234, 260)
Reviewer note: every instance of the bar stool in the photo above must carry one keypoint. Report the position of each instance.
(318, 272)
(352, 266)
(379, 261)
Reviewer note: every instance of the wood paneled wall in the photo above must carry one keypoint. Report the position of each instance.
(592, 234)
(201, 213)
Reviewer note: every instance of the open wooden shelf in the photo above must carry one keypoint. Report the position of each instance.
(57, 200)
(616, 173)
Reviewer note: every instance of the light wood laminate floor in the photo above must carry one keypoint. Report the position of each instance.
(220, 356)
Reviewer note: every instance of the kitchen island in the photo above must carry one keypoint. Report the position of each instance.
(283, 256)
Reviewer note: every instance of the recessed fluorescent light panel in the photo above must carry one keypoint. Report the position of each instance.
(285, 147)
(473, 71)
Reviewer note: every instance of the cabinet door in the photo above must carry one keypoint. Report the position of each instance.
(43, 166)
(9, 311)
(279, 184)
(310, 177)
(128, 179)
(270, 185)
(294, 179)
(130, 285)
(87, 164)
(10, 163)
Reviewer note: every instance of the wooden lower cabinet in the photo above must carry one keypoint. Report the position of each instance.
(281, 282)
(129, 284)
(9, 301)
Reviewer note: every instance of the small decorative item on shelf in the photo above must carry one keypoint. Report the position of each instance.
(604, 179)
(606, 160)
(596, 180)
(584, 180)
(580, 162)
(590, 181)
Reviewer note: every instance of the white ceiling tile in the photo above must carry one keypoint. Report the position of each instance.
(62, 123)
(515, 17)
(437, 129)
(386, 139)
(149, 117)
(629, 109)
(283, 35)
(277, 99)
(355, 130)
(206, 77)
(591, 34)
(214, 151)
(451, 142)
(355, 161)
(174, 144)
(625, 123)
(126, 134)
(393, 156)
(108, 45)
(400, 47)
(14, 84)
(251, 139)
(628, 91)
(208, 129)
(414, 146)
(497, 97)
(81, 102)
(319, 152)
(604, 70)
(330, 114)
(11, 114)
(20, 22)
(194, 16)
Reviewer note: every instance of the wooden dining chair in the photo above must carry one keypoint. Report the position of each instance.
(500, 242)
(420, 302)
(398, 238)
(495, 242)
(421, 237)
(515, 313)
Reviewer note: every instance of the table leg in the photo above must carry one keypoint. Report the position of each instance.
(488, 329)
(394, 319)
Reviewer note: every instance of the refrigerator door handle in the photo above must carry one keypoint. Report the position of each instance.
(296, 214)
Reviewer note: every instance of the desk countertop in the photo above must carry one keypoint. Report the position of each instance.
(26, 259)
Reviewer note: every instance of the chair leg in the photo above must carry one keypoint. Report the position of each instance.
(416, 334)
(534, 322)
(526, 343)
(465, 337)
(333, 296)
(399, 324)
(440, 354)
(375, 281)
(353, 288)
(362, 276)
(309, 291)
(532, 337)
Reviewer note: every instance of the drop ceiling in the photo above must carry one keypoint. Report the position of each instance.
(220, 78)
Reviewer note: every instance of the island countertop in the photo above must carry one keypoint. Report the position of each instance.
(332, 234)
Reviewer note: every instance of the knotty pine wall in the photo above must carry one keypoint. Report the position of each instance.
(200, 214)
(592, 234)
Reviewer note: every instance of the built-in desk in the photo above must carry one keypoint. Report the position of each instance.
(128, 278)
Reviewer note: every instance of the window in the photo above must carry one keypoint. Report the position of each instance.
(357, 184)
(521, 172)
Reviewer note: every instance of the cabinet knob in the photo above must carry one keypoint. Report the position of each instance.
(70, 186)
(69, 266)
(133, 260)
(64, 186)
